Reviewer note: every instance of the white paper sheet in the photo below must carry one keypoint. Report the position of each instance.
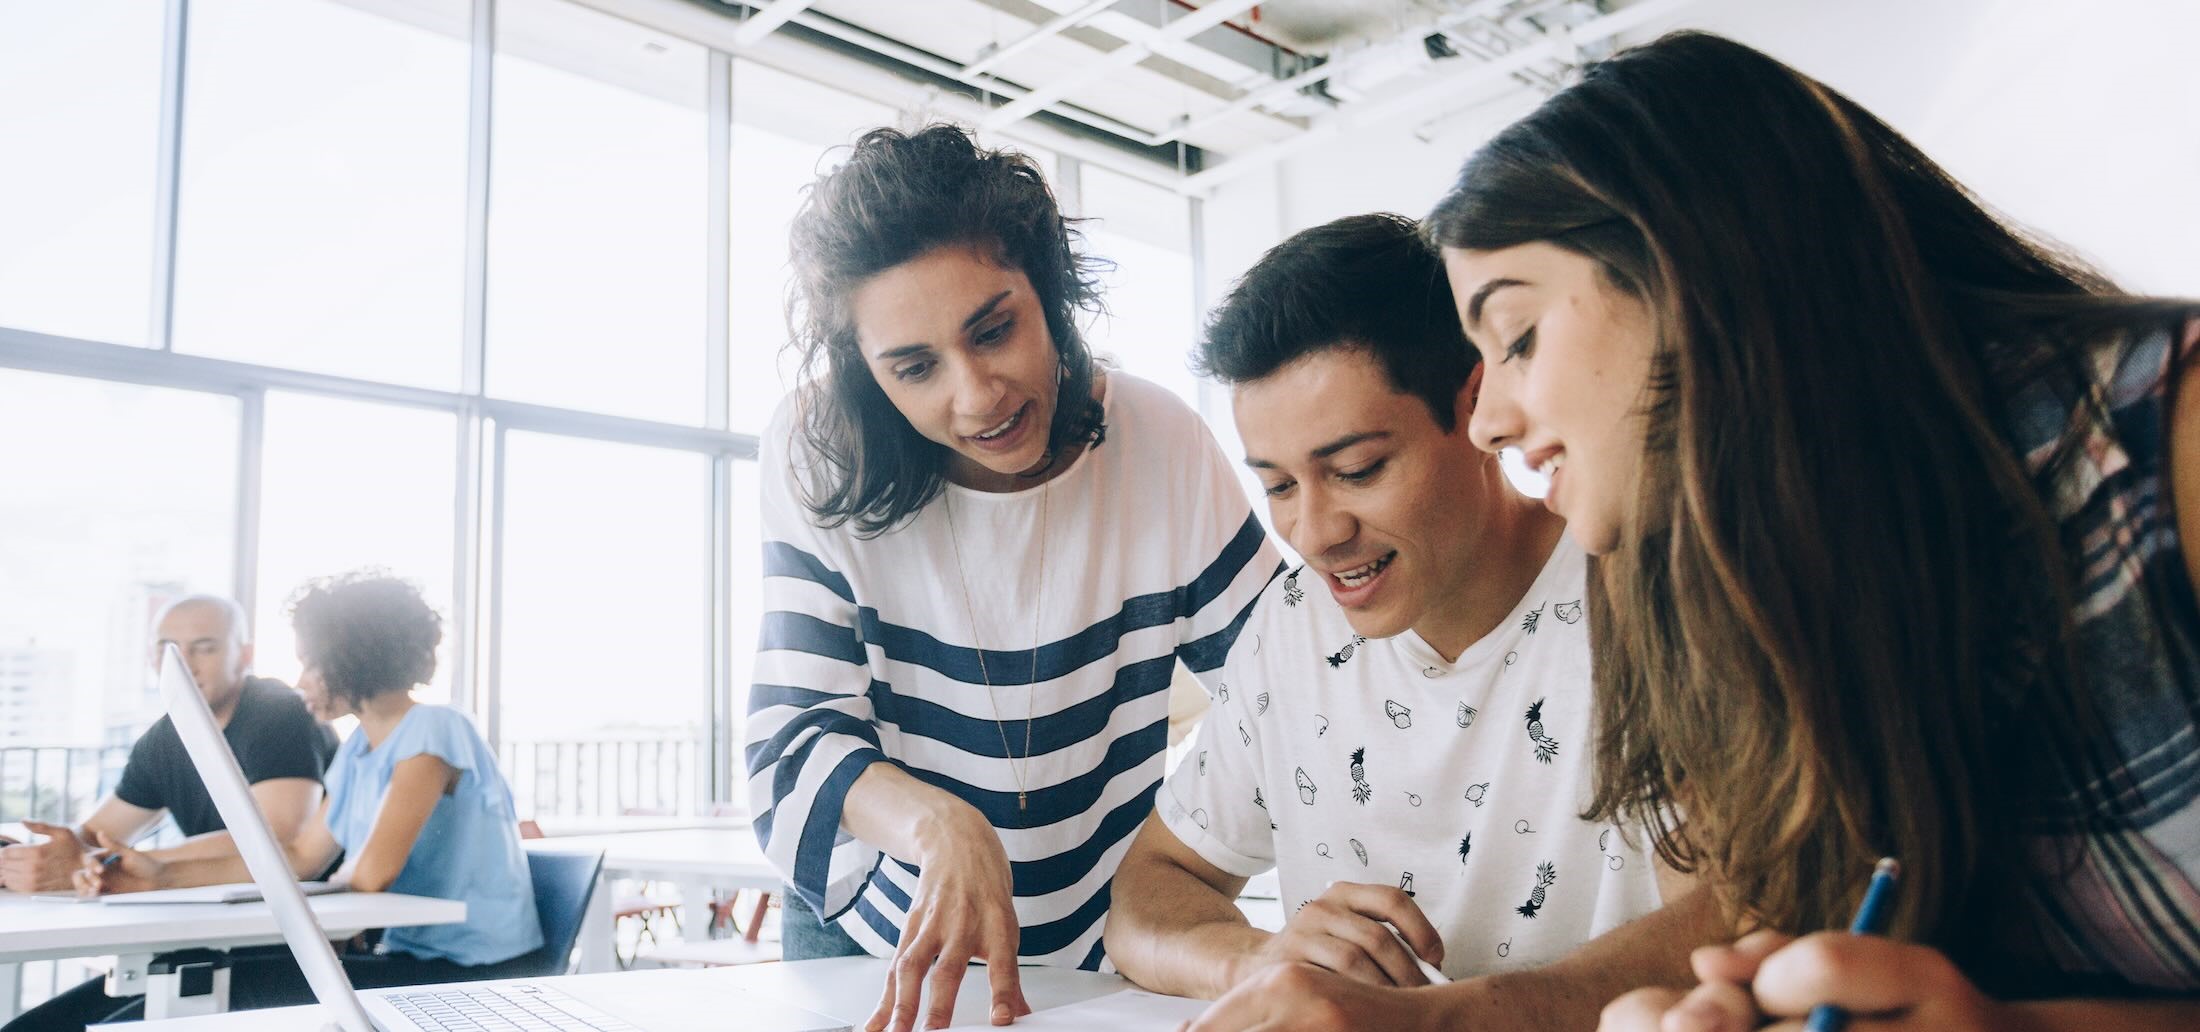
(1132, 1010)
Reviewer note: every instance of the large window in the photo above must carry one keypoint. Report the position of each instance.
(323, 197)
(1146, 231)
(786, 132)
(346, 485)
(119, 499)
(80, 111)
(296, 405)
(745, 544)
(598, 202)
(605, 652)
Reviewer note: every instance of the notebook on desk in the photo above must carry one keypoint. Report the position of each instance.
(453, 1007)
(237, 892)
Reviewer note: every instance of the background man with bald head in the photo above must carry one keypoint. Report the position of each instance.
(282, 749)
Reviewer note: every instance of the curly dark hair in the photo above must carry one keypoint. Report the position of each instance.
(898, 196)
(368, 632)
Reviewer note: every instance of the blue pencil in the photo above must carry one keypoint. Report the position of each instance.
(1871, 919)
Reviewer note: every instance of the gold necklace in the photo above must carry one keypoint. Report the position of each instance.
(962, 577)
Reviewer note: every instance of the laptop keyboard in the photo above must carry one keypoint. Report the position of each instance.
(506, 1008)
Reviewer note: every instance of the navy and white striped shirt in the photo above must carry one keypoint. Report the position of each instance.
(866, 655)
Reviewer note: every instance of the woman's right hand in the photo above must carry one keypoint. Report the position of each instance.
(964, 909)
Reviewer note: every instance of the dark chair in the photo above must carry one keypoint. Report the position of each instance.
(563, 883)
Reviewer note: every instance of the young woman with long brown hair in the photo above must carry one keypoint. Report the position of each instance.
(1889, 501)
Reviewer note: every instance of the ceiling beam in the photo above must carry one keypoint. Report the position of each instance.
(1054, 27)
(1319, 73)
(1215, 13)
(1249, 53)
(1432, 95)
(767, 20)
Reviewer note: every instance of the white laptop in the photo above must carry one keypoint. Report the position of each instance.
(453, 1007)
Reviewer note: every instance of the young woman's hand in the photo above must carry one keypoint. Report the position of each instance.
(1772, 980)
(114, 867)
(964, 910)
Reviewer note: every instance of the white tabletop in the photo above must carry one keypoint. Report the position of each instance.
(560, 827)
(42, 928)
(726, 857)
(846, 989)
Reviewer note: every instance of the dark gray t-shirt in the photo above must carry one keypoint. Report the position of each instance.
(271, 733)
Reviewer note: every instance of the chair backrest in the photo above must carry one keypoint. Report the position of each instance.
(563, 883)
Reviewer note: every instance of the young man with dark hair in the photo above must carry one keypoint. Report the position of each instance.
(1402, 727)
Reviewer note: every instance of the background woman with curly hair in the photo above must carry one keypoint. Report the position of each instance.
(985, 553)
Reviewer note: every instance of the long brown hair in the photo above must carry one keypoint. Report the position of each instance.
(1837, 627)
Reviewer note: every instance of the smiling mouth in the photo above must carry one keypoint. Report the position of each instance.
(1359, 575)
(995, 433)
(1550, 465)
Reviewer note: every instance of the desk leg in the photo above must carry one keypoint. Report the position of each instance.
(128, 977)
(11, 990)
(599, 942)
(694, 909)
(206, 981)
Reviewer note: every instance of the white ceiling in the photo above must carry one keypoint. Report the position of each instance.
(1264, 79)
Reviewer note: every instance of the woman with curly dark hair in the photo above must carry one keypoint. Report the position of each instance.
(415, 801)
(985, 553)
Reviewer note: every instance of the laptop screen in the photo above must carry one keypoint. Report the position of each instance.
(217, 766)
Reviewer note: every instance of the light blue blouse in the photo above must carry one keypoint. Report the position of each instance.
(469, 850)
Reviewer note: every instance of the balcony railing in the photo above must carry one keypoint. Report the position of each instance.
(609, 776)
(583, 777)
(57, 783)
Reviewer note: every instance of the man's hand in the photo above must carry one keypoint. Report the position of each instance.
(1769, 979)
(964, 910)
(114, 867)
(1344, 930)
(1300, 997)
(42, 866)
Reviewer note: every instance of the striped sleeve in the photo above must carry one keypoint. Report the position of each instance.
(1238, 562)
(811, 727)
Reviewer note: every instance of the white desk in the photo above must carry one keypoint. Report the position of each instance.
(566, 827)
(33, 928)
(696, 860)
(846, 988)
(42, 929)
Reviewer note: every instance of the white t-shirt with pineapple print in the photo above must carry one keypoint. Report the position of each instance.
(1330, 757)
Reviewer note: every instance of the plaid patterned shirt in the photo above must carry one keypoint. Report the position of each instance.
(2128, 917)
